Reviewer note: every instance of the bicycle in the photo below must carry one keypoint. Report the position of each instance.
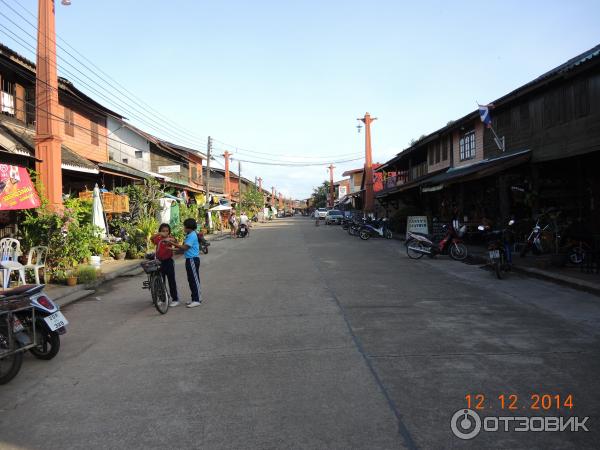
(156, 282)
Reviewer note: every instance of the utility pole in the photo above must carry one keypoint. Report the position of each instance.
(272, 195)
(331, 190)
(208, 152)
(48, 139)
(227, 187)
(368, 205)
(239, 188)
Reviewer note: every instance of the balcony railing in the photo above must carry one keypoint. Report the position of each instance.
(405, 176)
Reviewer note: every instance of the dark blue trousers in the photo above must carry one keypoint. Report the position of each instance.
(192, 267)
(167, 268)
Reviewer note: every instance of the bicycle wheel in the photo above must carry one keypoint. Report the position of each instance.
(498, 268)
(415, 249)
(159, 293)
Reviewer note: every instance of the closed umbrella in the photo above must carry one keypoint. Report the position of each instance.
(98, 213)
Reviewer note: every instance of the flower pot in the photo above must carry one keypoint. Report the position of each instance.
(120, 256)
(95, 261)
(71, 281)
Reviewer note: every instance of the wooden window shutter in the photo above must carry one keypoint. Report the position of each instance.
(94, 132)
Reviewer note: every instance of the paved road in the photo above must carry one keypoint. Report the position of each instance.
(310, 338)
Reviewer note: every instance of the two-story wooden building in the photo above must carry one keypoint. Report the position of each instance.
(550, 129)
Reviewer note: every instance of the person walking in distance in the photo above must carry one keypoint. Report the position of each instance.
(191, 251)
(232, 224)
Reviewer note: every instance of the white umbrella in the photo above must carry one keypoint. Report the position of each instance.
(98, 212)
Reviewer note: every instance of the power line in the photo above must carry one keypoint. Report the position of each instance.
(297, 164)
(120, 104)
(271, 154)
(123, 91)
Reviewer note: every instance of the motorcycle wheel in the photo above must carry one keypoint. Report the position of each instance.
(412, 254)
(49, 342)
(388, 234)
(364, 235)
(159, 294)
(458, 252)
(9, 365)
(204, 249)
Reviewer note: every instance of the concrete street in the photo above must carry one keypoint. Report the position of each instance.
(311, 338)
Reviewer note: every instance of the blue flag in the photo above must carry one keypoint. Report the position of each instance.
(484, 115)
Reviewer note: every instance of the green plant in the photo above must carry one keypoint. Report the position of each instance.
(86, 274)
(118, 248)
(253, 201)
(146, 227)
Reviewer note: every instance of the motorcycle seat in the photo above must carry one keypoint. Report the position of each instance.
(20, 290)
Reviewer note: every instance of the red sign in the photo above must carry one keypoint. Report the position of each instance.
(16, 189)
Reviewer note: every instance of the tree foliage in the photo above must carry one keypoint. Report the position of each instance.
(320, 195)
(253, 201)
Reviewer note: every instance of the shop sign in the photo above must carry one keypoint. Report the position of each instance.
(169, 169)
(417, 224)
(16, 189)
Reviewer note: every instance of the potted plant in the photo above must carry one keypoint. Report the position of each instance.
(119, 250)
(71, 277)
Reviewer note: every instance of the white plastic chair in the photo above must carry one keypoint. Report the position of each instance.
(36, 260)
(10, 250)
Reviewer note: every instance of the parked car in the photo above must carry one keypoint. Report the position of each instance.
(321, 213)
(334, 216)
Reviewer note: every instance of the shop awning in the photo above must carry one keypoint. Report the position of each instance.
(476, 170)
(122, 170)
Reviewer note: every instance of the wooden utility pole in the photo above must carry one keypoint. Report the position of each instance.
(227, 187)
(272, 195)
(208, 152)
(331, 190)
(48, 139)
(368, 203)
(239, 188)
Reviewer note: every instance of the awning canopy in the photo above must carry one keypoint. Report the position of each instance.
(475, 171)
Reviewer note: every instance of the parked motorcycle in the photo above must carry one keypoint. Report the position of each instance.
(354, 227)
(499, 251)
(14, 340)
(376, 228)
(49, 323)
(419, 244)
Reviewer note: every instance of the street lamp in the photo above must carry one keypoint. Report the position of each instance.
(66, 2)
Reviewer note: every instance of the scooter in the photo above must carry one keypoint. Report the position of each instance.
(242, 231)
(499, 252)
(49, 324)
(377, 228)
(418, 244)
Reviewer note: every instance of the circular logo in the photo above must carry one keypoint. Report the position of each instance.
(465, 424)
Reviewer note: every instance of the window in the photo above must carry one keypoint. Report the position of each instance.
(437, 152)
(445, 144)
(467, 146)
(7, 97)
(69, 123)
(94, 132)
(125, 160)
(139, 154)
(194, 173)
(430, 152)
(581, 94)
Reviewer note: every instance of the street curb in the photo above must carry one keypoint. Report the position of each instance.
(563, 280)
(84, 290)
(73, 297)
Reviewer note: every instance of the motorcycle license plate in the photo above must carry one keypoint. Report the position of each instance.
(494, 254)
(56, 321)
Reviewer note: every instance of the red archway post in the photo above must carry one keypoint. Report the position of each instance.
(48, 139)
(368, 203)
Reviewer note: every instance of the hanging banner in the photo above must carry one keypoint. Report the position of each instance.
(16, 189)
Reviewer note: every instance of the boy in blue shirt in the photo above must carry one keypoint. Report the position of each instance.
(191, 249)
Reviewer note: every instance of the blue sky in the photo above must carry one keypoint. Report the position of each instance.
(291, 77)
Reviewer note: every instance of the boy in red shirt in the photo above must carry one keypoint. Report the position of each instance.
(164, 253)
